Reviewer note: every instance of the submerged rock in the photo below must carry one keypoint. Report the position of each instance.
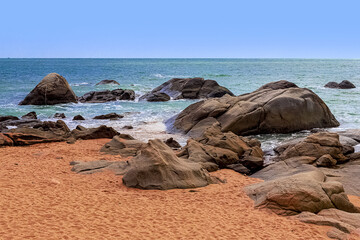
(59, 115)
(157, 167)
(155, 97)
(78, 118)
(111, 116)
(107, 96)
(53, 89)
(188, 88)
(30, 115)
(260, 112)
(106, 81)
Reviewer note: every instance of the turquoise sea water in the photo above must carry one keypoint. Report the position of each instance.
(19, 76)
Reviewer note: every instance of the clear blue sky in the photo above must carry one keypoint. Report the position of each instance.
(152, 28)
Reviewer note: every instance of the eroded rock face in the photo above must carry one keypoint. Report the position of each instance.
(94, 133)
(78, 118)
(106, 81)
(301, 192)
(189, 88)
(30, 115)
(343, 85)
(107, 96)
(223, 149)
(53, 89)
(59, 115)
(155, 97)
(123, 145)
(157, 167)
(317, 145)
(260, 112)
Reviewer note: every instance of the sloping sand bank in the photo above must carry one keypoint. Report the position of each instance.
(40, 198)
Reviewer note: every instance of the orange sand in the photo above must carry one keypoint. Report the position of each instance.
(40, 198)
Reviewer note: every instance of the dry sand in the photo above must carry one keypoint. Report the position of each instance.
(40, 198)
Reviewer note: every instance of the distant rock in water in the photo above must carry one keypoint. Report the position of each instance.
(112, 116)
(59, 115)
(30, 115)
(155, 97)
(343, 85)
(282, 84)
(106, 81)
(78, 117)
(188, 88)
(157, 167)
(53, 89)
(283, 110)
(107, 96)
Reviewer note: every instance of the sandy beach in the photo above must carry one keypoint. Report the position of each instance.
(42, 199)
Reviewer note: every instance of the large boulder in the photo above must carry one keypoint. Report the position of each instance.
(53, 89)
(189, 88)
(157, 167)
(107, 96)
(262, 111)
(301, 192)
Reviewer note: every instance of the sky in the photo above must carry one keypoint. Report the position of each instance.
(179, 29)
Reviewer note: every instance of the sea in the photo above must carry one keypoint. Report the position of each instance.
(19, 76)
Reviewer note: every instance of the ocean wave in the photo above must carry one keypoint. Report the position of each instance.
(161, 76)
(79, 84)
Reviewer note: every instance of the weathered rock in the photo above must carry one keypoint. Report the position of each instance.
(111, 116)
(59, 127)
(6, 118)
(78, 118)
(29, 136)
(106, 81)
(238, 167)
(20, 122)
(325, 161)
(123, 147)
(172, 143)
(5, 140)
(157, 167)
(189, 88)
(119, 168)
(345, 84)
(53, 89)
(107, 96)
(298, 193)
(30, 115)
(317, 219)
(223, 149)
(263, 111)
(94, 133)
(128, 127)
(155, 97)
(59, 115)
(317, 145)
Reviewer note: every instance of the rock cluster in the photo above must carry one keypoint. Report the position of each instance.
(343, 85)
(186, 88)
(107, 96)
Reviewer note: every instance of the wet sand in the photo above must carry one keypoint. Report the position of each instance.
(42, 199)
